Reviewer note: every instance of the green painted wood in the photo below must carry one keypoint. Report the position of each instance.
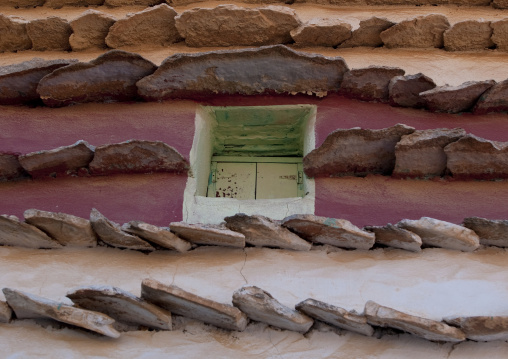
(277, 180)
(257, 159)
(234, 180)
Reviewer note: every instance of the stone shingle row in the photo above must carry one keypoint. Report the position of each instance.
(42, 229)
(401, 151)
(500, 4)
(123, 76)
(109, 311)
(231, 25)
(82, 159)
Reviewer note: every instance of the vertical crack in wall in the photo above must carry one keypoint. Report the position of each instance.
(243, 266)
(452, 349)
(271, 342)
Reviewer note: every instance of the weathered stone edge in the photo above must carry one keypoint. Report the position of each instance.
(482, 244)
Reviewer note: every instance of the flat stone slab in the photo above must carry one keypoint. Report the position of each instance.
(5, 312)
(180, 302)
(136, 156)
(18, 82)
(122, 306)
(10, 168)
(261, 306)
(29, 306)
(50, 34)
(321, 32)
(421, 153)
(421, 32)
(67, 229)
(158, 235)
(494, 99)
(65, 160)
(110, 77)
(469, 35)
(396, 237)
(20, 234)
(370, 83)
(152, 26)
(482, 328)
(206, 234)
(112, 234)
(336, 232)
(426, 328)
(355, 151)
(336, 316)
(473, 157)
(500, 33)
(13, 35)
(118, 3)
(491, 232)
(58, 4)
(436, 233)
(455, 99)
(231, 25)
(270, 69)
(89, 30)
(368, 33)
(405, 91)
(264, 232)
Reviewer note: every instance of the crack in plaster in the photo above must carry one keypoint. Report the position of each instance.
(452, 349)
(243, 266)
(273, 345)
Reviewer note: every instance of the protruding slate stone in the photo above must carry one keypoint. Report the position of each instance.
(5, 312)
(158, 235)
(355, 151)
(153, 26)
(58, 4)
(180, 302)
(16, 233)
(473, 157)
(118, 3)
(336, 232)
(369, 84)
(396, 237)
(50, 34)
(405, 91)
(368, 34)
(482, 328)
(500, 33)
(89, 30)
(499, 4)
(261, 306)
(231, 25)
(10, 169)
(137, 156)
(65, 160)
(272, 69)
(494, 99)
(336, 316)
(29, 306)
(491, 232)
(265, 232)
(321, 32)
(23, 3)
(18, 82)
(422, 32)
(112, 234)
(206, 234)
(422, 327)
(67, 229)
(469, 35)
(13, 35)
(122, 306)
(436, 233)
(421, 153)
(110, 77)
(455, 99)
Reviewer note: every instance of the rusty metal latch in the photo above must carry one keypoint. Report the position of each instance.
(300, 177)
